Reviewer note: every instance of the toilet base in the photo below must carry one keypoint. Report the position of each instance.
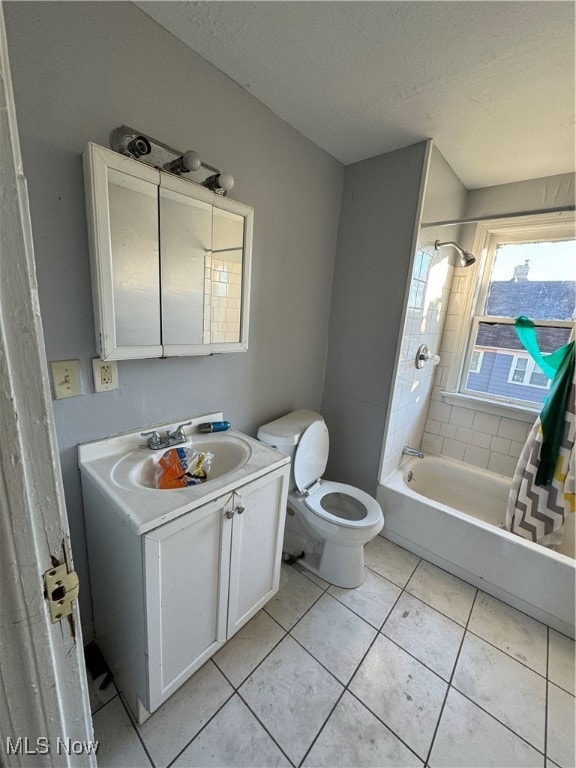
(336, 559)
(341, 566)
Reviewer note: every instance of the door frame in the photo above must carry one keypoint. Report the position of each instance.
(44, 701)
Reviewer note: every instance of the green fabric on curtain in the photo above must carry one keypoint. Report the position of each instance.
(558, 366)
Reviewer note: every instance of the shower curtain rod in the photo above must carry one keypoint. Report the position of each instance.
(492, 217)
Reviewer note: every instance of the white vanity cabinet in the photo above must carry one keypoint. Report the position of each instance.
(168, 593)
(170, 261)
(206, 574)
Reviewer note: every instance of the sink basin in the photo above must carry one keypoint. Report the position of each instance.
(137, 468)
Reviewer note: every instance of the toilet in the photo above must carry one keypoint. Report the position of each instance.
(327, 523)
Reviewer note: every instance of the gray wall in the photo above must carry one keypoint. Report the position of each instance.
(532, 194)
(81, 69)
(378, 221)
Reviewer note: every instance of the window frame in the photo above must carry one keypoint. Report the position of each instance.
(487, 236)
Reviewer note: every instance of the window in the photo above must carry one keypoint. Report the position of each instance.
(528, 273)
(526, 372)
(476, 360)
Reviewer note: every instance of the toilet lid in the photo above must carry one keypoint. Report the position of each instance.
(311, 455)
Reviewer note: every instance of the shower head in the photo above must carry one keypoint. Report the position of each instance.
(465, 258)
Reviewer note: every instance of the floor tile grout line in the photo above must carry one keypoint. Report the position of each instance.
(315, 739)
(475, 703)
(136, 729)
(509, 655)
(345, 686)
(402, 590)
(243, 700)
(564, 690)
(305, 572)
(346, 689)
(409, 653)
(500, 722)
(199, 731)
(449, 686)
(386, 725)
(359, 615)
(102, 705)
(262, 660)
(306, 612)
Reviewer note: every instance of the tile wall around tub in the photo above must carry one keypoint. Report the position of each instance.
(425, 314)
(467, 434)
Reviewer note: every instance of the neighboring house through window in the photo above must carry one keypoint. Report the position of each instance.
(528, 272)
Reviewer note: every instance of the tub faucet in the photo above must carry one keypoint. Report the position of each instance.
(407, 451)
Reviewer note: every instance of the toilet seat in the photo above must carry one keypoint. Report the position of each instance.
(349, 500)
(336, 503)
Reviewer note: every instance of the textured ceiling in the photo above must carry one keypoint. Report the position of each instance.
(491, 82)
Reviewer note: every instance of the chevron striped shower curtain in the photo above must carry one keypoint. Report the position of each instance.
(537, 511)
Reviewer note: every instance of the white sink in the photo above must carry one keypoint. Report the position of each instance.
(119, 469)
(229, 453)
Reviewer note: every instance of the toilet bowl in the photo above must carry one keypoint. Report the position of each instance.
(327, 523)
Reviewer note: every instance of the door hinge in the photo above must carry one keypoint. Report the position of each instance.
(61, 589)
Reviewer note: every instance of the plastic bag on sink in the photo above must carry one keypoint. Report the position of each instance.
(181, 467)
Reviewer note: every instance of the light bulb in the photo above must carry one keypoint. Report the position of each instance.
(189, 161)
(226, 181)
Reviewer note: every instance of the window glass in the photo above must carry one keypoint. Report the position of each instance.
(533, 279)
(536, 279)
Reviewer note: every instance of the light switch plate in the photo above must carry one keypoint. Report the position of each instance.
(105, 374)
(65, 378)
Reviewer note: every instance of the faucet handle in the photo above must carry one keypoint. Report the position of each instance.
(179, 431)
(153, 440)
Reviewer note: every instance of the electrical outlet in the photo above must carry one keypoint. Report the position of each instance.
(105, 374)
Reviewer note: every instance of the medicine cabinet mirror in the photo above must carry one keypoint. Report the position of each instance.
(170, 261)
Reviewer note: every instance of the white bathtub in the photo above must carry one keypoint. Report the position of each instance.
(450, 514)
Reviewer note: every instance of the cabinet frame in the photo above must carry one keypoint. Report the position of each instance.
(97, 163)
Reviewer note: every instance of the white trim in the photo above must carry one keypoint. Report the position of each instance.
(504, 408)
(535, 227)
(43, 688)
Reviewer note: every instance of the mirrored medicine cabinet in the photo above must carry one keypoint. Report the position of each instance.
(170, 261)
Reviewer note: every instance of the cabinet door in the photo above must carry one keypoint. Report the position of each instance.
(230, 275)
(185, 252)
(122, 197)
(186, 566)
(257, 534)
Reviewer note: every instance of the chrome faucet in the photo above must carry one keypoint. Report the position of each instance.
(407, 451)
(156, 443)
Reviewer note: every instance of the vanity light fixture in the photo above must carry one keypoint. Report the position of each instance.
(137, 145)
(465, 259)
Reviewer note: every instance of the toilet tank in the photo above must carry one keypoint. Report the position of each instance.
(284, 434)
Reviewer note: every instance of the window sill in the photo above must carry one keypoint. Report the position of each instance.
(509, 410)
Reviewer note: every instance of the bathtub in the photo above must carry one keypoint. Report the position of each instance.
(452, 515)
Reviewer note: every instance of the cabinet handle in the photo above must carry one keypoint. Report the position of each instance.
(229, 514)
(239, 510)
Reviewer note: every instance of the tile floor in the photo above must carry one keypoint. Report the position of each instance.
(414, 668)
